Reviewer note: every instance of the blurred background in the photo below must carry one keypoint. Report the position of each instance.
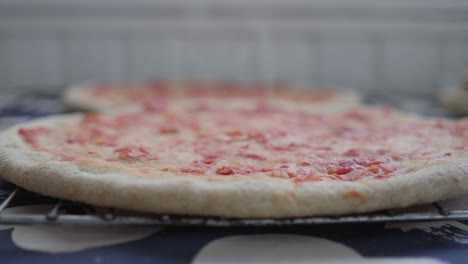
(402, 46)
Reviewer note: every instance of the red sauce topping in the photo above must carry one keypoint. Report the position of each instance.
(154, 105)
(339, 170)
(30, 134)
(224, 170)
(134, 153)
(125, 120)
(93, 135)
(193, 170)
(68, 158)
(252, 156)
(206, 161)
(294, 147)
(354, 153)
(168, 129)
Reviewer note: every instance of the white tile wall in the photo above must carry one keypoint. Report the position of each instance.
(455, 60)
(217, 59)
(91, 57)
(411, 65)
(153, 58)
(34, 59)
(347, 63)
(4, 65)
(294, 60)
(412, 45)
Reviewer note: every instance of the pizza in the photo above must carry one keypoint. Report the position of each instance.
(241, 163)
(455, 98)
(157, 96)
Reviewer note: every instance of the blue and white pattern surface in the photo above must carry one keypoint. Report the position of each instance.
(368, 243)
(419, 243)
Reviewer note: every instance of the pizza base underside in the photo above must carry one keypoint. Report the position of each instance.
(239, 197)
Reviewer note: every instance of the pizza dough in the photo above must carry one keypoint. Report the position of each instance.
(455, 100)
(274, 163)
(164, 95)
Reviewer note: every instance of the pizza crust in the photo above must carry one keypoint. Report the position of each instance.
(231, 196)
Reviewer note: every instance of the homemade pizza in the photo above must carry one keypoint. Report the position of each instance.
(455, 99)
(241, 163)
(159, 96)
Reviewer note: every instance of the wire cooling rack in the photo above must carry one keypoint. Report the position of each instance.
(62, 212)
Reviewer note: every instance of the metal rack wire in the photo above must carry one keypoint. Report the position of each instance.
(63, 212)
